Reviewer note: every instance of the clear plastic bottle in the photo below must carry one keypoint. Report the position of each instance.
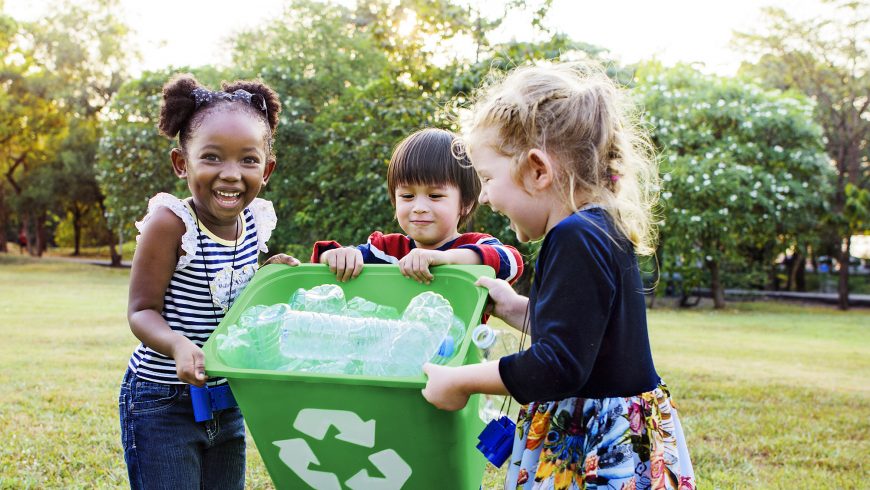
(360, 307)
(326, 298)
(493, 344)
(357, 345)
(253, 343)
(452, 342)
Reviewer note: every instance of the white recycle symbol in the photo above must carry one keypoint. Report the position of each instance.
(298, 456)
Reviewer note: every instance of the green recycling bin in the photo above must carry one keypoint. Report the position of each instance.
(333, 432)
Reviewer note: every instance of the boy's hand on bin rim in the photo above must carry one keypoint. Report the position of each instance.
(416, 264)
(282, 259)
(189, 362)
(443, 388)
(346, 263)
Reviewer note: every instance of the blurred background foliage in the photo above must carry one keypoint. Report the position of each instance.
(762, 172)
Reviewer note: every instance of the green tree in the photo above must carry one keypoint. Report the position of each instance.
(32, 124)
(62, 71)
(744, 174)
(74, 190)
(827, 58)
(354, 82)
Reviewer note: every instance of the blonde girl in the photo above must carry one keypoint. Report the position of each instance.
(556, 152)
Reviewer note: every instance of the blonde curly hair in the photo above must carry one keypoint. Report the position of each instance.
(587, 124)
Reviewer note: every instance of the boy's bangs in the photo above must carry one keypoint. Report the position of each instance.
(422, 168)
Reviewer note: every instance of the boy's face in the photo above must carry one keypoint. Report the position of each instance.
(428, 214)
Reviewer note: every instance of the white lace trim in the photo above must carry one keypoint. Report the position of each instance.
(177, 206)
(265, 221)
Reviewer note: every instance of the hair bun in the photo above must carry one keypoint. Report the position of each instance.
(178, 105)
(259, 90)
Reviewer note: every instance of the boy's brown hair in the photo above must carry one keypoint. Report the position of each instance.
(429, 157)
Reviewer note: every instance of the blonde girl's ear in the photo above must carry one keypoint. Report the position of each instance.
(538, 171)
(179, 163)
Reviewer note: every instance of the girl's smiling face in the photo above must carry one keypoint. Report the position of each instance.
(429, 213)
(226, 163)
(528, 211)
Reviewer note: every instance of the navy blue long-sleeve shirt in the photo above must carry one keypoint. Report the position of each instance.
(587, 317)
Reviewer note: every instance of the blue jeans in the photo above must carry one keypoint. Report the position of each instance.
(165, 448)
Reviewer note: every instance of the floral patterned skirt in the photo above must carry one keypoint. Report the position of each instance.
(614, 443)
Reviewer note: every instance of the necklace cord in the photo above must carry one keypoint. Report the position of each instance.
(205, 265)
(506, 403)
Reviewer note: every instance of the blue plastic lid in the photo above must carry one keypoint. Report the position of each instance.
(447, 347)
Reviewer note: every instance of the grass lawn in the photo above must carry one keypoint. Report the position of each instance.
(770, 395)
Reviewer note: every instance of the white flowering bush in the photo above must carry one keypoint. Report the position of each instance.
(744, 174)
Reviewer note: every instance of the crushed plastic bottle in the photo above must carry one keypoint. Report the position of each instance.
(326, 298)
(429, 308)
(249, 317)
(234, 346)
(451, 343)
(360, 307)
(318, 332)
(261, 331)
(357, 345)
(493, 344)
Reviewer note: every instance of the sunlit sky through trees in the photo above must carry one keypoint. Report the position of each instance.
(196, 31)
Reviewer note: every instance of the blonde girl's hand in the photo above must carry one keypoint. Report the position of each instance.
(506, 303)
(282, 259)
(443, 388)
(416, 264)
(346, 263)
(189, 362)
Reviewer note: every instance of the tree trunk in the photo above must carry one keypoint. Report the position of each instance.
(116, 257)
(41, 235)
(4, 221)
(113, 251)
(793, 265)
(843, 283)
(77, 229)
(772, 277)
(26, 219)
(716, 288)
(798, 272)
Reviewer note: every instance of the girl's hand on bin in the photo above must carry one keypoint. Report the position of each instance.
(346, 263)
(506, 303)
(189, 363)
(416, 264)
(282, 259)
(444, 387)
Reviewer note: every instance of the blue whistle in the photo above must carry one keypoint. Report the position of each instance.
(496, 440)
(210, 399)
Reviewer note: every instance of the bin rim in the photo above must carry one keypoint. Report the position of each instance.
(268, 274)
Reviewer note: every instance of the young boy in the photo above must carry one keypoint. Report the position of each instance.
(434, 194)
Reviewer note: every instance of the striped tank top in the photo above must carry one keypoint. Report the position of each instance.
(199, 291)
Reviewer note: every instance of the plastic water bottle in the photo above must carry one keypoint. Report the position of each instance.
(337, 344)
(452, 342)
(493, 344)
(233, 347)
(254, 342)
(430, 308)
(360, 307)
(318, 331)
(326, 298)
